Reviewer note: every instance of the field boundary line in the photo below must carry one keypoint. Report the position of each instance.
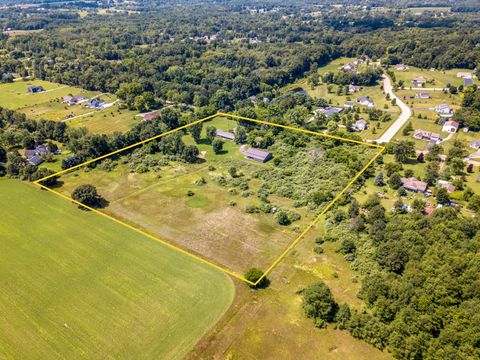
(188, 253)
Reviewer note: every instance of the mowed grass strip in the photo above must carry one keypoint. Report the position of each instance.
(76, 285)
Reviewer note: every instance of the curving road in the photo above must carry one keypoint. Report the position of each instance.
(402, 119)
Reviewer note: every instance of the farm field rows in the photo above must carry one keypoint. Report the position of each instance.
(48, 105)
(75, 285)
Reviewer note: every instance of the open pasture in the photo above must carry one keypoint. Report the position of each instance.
(76, 285)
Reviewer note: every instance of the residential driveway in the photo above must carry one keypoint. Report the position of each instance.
(402, 119)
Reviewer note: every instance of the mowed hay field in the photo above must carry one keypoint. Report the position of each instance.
(15, 95)
(48, 105)
(76, 285)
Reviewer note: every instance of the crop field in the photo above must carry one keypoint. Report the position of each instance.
(201, 207)
(48, 105)
(75, 285)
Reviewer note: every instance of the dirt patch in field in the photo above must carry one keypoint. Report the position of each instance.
(227, 235)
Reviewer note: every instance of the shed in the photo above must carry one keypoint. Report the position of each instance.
(258, 155)
(225, 134)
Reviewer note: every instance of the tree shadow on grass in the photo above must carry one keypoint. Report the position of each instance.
(101, 203)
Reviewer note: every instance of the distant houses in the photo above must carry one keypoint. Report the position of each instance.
(225, 135)
(151, 115)
(364, 100)
(451, 126)
(35, 156)
(327, 111)
(257, 155)
(446, 185)
(413, 184)
(72, 100)
(401, 67)
(349, 67)
(475, 144)
(464, 75)
(444, 110)
(353, 88)
(419, 81)
(360, 125)
(95, 103)
(426, 135)
(422, 95)
(35, 89)
(331, 110)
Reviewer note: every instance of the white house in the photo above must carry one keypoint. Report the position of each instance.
(360, 125)
(353, 88)
(401, 67)
(420, 80)
(475, 144)
(364, 100)
(422, 95)
(451, 126)
(464, 75)
(349, 104)
(444, 110)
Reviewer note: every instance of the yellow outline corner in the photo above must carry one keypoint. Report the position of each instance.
(225, 270)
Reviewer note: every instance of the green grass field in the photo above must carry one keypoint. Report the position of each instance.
(48, 105)
(107, 121)
(15, 95)
(435, 79)
(76, 285)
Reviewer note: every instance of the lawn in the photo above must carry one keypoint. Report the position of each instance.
(435, 78)
(48, 105)
(16, 96)
(76, 285)
(107, 121)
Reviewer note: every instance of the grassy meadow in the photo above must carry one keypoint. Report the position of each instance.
(76, 285)
(48, 105)
(205, 223)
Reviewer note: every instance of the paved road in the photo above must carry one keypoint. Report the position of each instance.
(402, 119)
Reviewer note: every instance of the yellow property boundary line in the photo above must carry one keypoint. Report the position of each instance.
(225, 270)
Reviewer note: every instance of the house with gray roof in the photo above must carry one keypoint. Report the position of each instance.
(364, 100)
(257, 155)
(225, 134)
(475, 144)
(35, 89)
(413, 184)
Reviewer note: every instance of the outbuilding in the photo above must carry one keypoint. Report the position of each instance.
(258, 155)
